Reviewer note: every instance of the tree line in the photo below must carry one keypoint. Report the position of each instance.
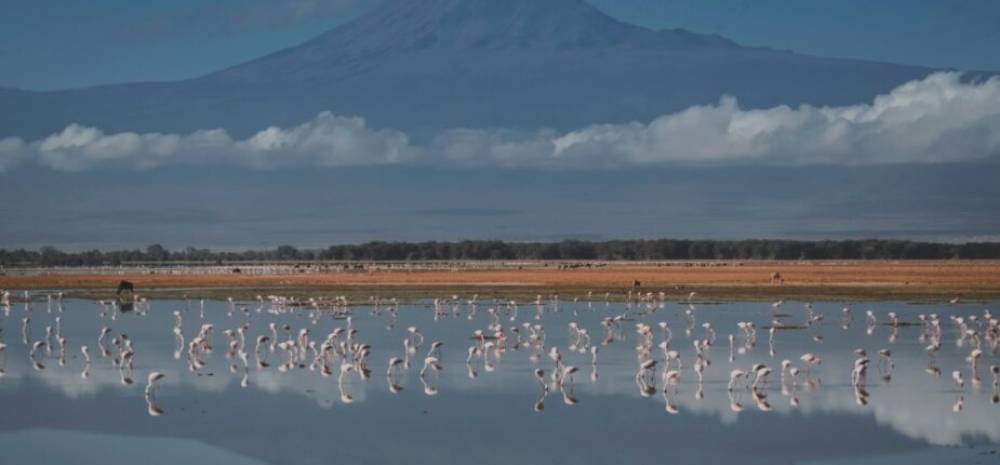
(662, 249)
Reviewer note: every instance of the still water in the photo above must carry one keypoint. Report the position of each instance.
(482, 402)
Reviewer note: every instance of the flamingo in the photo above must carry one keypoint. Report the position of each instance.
(734, 404)
(885, 359)
(345, 369)
(435, 349)
(103, 335)
(646, 368)
(568, 397)
(430, 363)
(734, 376)
(672, 377)
(540, 376)
(957, 377)
(760, 376)
(787, 368)
(416, 339)
(810, 360)
(151, 383)
(973, 358)
(394, 363)
(35, 347)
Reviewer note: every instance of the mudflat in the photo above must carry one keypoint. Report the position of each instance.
(925, 280)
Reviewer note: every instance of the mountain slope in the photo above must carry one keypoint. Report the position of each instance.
(425, 65)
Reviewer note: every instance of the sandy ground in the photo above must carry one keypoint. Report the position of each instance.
(926, 280)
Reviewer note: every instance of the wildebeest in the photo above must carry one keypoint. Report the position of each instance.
(125, 286)
(777, 278)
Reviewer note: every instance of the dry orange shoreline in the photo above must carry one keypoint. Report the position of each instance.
(859, 279)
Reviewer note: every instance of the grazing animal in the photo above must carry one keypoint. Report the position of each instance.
(776, 278)
(125, 286)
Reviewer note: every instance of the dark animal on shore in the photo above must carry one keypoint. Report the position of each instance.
(636, 284)
(125, 286)
(777, 278)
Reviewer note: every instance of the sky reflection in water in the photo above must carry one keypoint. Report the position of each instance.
(480, 416)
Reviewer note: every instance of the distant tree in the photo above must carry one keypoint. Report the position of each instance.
(286, 252)
(660, 249)
(156, 253)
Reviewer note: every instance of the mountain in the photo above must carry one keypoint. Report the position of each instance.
(425, 65)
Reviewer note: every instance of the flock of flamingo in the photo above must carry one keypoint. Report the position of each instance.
(659, 367)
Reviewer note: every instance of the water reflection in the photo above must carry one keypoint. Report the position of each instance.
(227, 373)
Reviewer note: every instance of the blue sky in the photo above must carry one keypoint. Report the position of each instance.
(67, 43)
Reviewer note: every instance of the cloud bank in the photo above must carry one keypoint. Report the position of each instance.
(935, 120)
(325, 141)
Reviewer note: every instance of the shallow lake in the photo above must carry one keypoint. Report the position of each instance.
(482, 401)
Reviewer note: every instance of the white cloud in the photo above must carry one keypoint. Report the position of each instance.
(494, 147)
(327, 140)
(79, 147)
(934, 120)
(938, 119)
(11, 151)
